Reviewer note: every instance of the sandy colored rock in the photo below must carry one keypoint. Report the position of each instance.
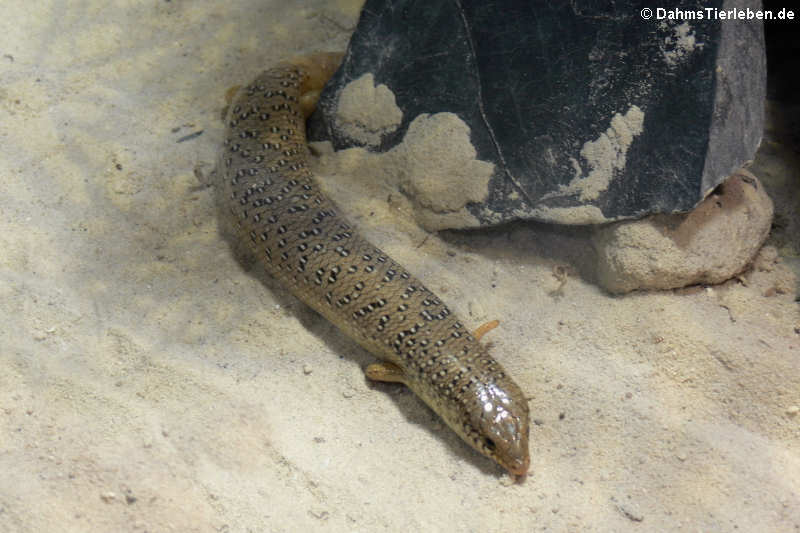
(710, 244)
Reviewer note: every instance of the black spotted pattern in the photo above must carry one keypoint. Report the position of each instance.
(305, 243)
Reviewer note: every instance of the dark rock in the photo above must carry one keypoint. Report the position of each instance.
(589, 113)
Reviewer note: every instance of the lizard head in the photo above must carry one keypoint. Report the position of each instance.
(497, 425)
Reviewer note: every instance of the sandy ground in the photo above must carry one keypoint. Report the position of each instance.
(150, 382)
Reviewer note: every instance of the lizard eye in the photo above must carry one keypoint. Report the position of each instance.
(489, 443)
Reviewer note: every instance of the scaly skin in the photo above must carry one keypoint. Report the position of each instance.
(304, 242)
